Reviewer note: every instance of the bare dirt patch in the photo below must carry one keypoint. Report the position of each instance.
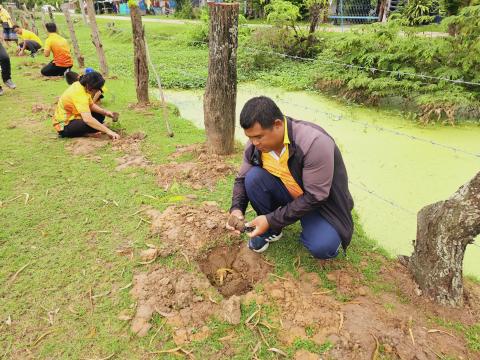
(184, 299)
(234, 270)
(131, 146)
(44, 111)
(189, 229)
(87, 145)
(203, 171)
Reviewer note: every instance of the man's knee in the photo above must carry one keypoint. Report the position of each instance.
(254, 176)
(324, 249)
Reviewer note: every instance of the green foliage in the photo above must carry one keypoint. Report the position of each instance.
(418, 12)
(282, 13)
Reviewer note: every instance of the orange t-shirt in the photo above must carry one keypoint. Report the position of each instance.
(60, 49)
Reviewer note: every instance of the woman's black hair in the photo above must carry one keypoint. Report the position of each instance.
(71, 77)
(92, 81)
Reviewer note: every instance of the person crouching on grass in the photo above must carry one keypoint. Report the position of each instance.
(29, 41)
(292, 171)
(77, 115)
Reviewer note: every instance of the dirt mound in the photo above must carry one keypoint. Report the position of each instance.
(186, 301)
(371, 322)
(44, 111)
(131, 146)
(203, 171)
(234, 270)
(87, 145)
(189, 229)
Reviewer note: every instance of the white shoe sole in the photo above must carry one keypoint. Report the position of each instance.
(261, 250)
(275, 238)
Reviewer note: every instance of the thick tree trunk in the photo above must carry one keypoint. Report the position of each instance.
(96, 38)
(444, 230)
(139, 55)
(314, 17)
(82, 10)
(73, 37)
(221, 90)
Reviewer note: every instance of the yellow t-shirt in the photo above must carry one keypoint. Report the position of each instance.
(5, 17)
(28, 35)
(60, 49)
(74, 101)
(278, 166)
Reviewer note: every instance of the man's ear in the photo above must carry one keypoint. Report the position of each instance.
(278, 123)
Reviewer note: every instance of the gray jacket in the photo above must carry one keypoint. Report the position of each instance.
(316, 164)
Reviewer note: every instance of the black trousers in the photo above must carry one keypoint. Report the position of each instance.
(78, 127)
(53, 70)
(31, 46)
(5, 64)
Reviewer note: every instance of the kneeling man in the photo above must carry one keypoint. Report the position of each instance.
(292, 170)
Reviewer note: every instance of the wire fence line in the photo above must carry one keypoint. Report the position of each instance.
(365, 68)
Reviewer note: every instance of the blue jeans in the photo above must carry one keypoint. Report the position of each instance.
(267, 193)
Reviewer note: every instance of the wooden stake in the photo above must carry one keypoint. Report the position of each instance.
(73, 37)
(81, 3)
(160, 89)
(221, 89)
(139, 55)
(50, 14)
(96, 38)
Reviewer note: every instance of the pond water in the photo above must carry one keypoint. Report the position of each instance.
(395, 166)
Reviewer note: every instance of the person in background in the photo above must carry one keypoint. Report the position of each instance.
(62, 58)
(77, 115)
(7, 23)
(29, 41)
(6, 69)
(72, 76)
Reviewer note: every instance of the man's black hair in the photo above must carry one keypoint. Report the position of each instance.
(71, 77)
(15, 27)
(92, 81)
(260, 109)
(51, 27)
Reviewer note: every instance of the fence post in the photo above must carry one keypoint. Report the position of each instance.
(73, 37)
(96, 38)
(140, 55)
(221, 90)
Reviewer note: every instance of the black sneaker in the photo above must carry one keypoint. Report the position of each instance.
(260, 243)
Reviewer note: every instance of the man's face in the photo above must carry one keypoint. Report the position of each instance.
(266, 140)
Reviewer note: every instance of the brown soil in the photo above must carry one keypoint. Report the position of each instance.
(354, 327)
(87, 145)
(43, 111)
(236, 223)
(234, 270)
(185, 300)
(131, 146)
(189, 229)
(203, 171)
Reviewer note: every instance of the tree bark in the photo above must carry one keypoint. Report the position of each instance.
(73, 37)
(82, 10)
(96, 38)
(314, 17)
(11, 11)
(221, 89)
(139, 56)
(444, 230)
(50, 13)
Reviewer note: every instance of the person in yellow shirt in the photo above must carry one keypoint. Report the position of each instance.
(6, 22)
(77, 115)
(29, 41)
(62, 58)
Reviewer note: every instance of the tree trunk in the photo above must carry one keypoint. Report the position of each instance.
(444, 230)
(96, 38)
(139, 56)
(50, 13)
(31, 18)
(11, 11)
(82, 10)
(314, 17)
(73, 37)
(221, 89)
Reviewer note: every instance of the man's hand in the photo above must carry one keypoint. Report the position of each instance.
(20, 53)
(238, 214)
(260, 224)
